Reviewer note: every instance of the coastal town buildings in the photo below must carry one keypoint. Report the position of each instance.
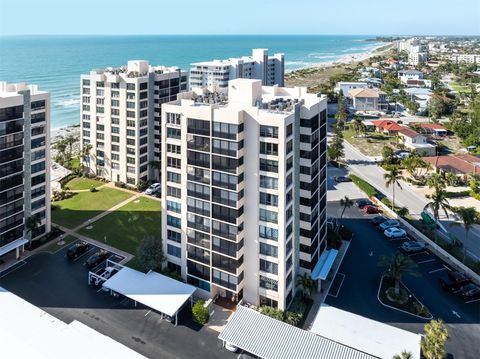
(244, 190)
(345, 87)
(120, 118)
(214, 75)
(465, 58)
(24, 165)
(368, 99)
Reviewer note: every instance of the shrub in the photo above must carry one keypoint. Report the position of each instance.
(334, 240)
(293, 318)
(457, 194)
(120, 184)
(93, 189)
(200, 313)
(345, 233)
(142, 185)
(369, 190)
(421, 310)
(272, 312)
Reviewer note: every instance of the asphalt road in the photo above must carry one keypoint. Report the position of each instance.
(60, 288)
(356, 286)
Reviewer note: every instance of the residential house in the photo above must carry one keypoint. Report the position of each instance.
(368, 99)
(416, 142)
(432, 129)
(465, 165)
(345, 87)
(388, 127)
(405, 75)
(418, 83)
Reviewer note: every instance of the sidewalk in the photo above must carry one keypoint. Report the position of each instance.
(319, 297)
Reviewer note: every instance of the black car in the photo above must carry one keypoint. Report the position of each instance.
(453, 281)
(363, 202)
(77, 250)
(378, 220)
(342, 179)
(96, 259)
(470, 291)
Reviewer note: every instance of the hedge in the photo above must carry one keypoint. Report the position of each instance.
(364, 186)
(458, 194)
(200, 313)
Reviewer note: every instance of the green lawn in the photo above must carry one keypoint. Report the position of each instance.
(54, 247)
(459, 88)
(371, 145)
(128, 225)
(79, 183)
(85, 205)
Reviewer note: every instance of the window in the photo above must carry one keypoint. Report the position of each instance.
(226, 164)
(115, 157)
(225, 280)
(226, 130)
(131, 114)
(198, 159)
(268, 283)
(174, 221)
(268, 165)
(198, 190)
(173, 133)
(174, 206)
(131, 160)
(174, 177)
(130, 133)
(226, 148)
(197, 222)
(198, 206)
(268, 250)
(268, 216)
(225, 197)
(173, 118)
(269, 148)
(174, 192)
(268, 199)
(174, 251)
(130, 141)
(174, 162)
(269, 267)
(174, 236)
(225, 180)
(268, 233)
(198, 174)
(198, 127)
(269, 131)
(131, 87)
(268, 182)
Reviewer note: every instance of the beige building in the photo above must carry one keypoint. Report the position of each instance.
(120, 118)
(244, 189)
(24, 164)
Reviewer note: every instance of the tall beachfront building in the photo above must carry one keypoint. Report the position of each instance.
(214, 75)
(24, 164)
(244, 189)
(120, 118)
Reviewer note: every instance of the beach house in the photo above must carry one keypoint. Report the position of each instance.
(368, 99)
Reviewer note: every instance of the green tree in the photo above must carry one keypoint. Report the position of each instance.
(272, 312)
(31, 225)
(85, 155)
(335, 149)
(150, 253)
(345, 202)
(358, 125)
(60, 146)
(404, 355)
(451, 179)
(388, 155)
(307, 283)
(436, 108)
(433, 342)
(438, 202)
(200, 312)
(437, 182)
(392, 178)
(469, 217)
(397, 266)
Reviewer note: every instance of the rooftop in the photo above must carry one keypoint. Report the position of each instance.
(458, 164)
(365, 92)
(408, 132)
(136, 68)
(12, 89)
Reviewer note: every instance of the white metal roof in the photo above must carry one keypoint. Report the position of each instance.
(154, 290)
(324, 264)
(372, 337)
(12, 245)
(269, 338)
(29, 332)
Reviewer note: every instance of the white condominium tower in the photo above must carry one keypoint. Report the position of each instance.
(24, 164)
(120, 118)
(214, 75)
(244, 189)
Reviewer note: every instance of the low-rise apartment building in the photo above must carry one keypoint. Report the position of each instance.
(24, 164)
(244, 189)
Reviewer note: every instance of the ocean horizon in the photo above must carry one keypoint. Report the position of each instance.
(55, 63)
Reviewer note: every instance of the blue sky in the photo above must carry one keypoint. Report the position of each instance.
(435, 17)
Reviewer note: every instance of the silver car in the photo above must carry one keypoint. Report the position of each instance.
(412, 246)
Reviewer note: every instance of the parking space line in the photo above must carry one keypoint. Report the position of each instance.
(84, 254)
(415, 254)
(339, 287)
(447, 268)
(147, 313)
(426, 261)
(438, 270)
(472, 301)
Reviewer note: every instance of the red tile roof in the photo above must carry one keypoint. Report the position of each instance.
(409, 132)
(387, 125)
(459, 164)
(432, 126)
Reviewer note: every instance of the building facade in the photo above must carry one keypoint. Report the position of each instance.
(214, 75)
(120, 118)
(244, 189)
(24, 164)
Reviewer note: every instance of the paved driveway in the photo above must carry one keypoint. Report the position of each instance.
(60, 288)
(336, 191)
(356, 285)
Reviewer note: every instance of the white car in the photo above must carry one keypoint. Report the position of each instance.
(413, 246)
(394, 232)
(389, 223)
(154, 188)
(230, 347)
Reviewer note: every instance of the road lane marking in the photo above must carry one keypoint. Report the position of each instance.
(472, 301)
(438, 270)
(426, 261)
(456, 314)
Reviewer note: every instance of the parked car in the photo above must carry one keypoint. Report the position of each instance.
(154, 188)
(342, 179)
(412, 246)
(96, 259)
(377, 220)
(363, 202)
(395, 232)
(77, 250)
(389, 223)
(369, 209)
(453, 281)
(230, 347)
(470, 291)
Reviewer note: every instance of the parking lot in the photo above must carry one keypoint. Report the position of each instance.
(340, 190)
(59, 286)
(356, 284)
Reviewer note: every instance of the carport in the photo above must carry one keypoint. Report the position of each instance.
(154, 290)
(324, 265)
(16, 244)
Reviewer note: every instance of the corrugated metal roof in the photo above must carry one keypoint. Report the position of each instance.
(269, 338)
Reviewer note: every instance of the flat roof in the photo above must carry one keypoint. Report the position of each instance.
(324, 264)
(12, 245)
(269, 338)
(367, 335)
(152, 289)
(29, 332)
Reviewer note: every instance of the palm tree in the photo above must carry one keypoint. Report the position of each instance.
(307, 284)
(358, 125)
(403, 355)
(438, 202)
(451, 178)
(469, 217)
(61, 147)
(397, 266)
(345, 202)
(436, 181)
(70, 140)
(31, 225)
(393, 178)
(87, 147)
(433, 342)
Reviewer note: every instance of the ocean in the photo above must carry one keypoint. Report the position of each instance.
(56, 62)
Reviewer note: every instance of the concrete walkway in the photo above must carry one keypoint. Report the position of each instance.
(319, 297)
